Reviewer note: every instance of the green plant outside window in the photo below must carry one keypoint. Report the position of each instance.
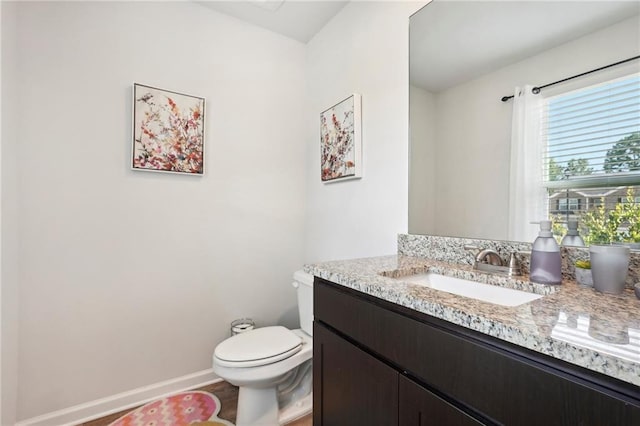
(618, 225)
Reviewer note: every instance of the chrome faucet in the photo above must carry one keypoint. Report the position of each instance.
(488, 260)
(490, 257)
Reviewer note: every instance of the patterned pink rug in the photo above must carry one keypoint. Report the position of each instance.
(194, 408)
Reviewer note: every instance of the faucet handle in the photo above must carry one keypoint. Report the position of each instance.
(514, 268)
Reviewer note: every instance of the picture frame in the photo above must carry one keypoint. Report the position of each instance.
(168, 131)
(341, 140)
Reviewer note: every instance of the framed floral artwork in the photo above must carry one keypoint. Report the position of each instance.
(340, 141)
(168, 131)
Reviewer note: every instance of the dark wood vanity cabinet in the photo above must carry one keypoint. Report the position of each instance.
(377, 363)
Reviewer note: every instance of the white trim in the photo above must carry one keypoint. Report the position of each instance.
(91, 410)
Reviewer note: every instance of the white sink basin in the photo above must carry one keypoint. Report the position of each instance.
(485, 292)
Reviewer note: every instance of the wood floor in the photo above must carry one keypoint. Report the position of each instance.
(226, 393)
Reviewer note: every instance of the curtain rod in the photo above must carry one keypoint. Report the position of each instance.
(537, 89)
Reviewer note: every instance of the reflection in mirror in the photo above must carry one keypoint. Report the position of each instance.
(481, 167)
(598, 334)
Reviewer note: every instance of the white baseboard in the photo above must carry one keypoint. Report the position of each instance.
(112, 404)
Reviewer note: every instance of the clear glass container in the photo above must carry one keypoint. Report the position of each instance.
(241, 325)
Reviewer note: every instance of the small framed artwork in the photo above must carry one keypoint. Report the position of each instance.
(168, 131)
(340, 141)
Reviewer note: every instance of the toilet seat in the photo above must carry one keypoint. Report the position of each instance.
(258, 347)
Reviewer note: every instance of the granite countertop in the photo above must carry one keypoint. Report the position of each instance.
(576, 324)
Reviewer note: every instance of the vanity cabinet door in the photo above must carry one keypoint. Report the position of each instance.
(350, 387)
(420, 407)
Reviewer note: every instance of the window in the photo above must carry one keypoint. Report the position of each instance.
(591, 152)
(565, 204)
(625, 200)
(594, 202)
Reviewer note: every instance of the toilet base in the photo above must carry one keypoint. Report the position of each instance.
(257, 407)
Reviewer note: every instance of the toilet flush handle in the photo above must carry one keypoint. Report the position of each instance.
(295, 284)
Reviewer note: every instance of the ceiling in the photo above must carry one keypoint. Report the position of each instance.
(441, 57)
(297, 19)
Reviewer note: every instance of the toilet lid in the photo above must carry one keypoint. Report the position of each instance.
(258, 347)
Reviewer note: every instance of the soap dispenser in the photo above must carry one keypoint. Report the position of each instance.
(546, 263)
(572, 238)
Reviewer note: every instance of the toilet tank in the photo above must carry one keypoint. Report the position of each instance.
(303, 283)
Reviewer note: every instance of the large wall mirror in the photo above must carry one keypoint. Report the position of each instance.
(465, 56)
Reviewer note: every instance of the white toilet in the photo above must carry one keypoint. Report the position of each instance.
(272, 366)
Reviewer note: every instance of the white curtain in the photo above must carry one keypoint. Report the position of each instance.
(526, 193)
